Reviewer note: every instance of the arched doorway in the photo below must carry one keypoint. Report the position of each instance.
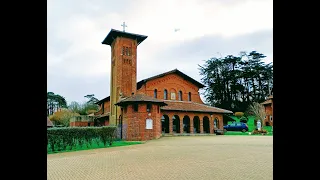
(206, 125)
(186, 124)
(165, 124)
(196, 124)
(216, 123)
(176, 124)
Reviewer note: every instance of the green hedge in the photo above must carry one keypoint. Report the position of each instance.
(61, 138)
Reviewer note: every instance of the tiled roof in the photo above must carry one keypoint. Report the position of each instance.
(269, 101)
(140, 98)
(175, 71)
(103, 115)
(191, 106)
(49, 123)
(113, 34)
(103, 100)
(140, 83)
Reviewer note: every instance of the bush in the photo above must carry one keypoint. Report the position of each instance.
(90, 111)
(61, 138)
(238, 114)
(262, 131)
(244, 119)
(62, 117)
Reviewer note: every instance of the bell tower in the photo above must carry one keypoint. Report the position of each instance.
(123, 80)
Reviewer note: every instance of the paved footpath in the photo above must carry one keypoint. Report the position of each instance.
(188, 157)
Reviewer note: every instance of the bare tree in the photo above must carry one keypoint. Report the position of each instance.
(258, 111)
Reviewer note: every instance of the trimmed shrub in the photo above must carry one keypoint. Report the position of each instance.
(238, 114)
(262, 131)
(61, 138)
(244, 119)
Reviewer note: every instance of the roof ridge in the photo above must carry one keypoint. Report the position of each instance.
(211, 106)
(196, 103)
(194, 81)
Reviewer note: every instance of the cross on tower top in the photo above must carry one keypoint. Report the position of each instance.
(124, 26)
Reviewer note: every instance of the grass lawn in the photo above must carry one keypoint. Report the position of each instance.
(251, 127)
(94, 145)
(245, 133)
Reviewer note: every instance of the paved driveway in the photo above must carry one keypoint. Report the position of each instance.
(190, 157)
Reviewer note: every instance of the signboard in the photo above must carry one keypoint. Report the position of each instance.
(259, 125)
(148, 123)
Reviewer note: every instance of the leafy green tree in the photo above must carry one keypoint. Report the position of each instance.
(75, 107)
(55, 102)
(85, 108)
(234, 82)
(62, 117)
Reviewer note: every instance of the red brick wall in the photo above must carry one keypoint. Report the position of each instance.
(173, 83)
(106, 107)
(80, 124)
(268, 108)
(136, 123)
(106, 123)
(123, 71)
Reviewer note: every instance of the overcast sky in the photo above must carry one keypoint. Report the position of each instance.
(78, 64)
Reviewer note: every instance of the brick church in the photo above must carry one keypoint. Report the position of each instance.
(165, 103)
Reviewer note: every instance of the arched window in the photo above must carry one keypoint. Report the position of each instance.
(165, 94)
(155, 93)
(216, 123)
(126, 51)
(189, 96)
(149, 107)
(123, 50)
(180, 95)
(135, 107)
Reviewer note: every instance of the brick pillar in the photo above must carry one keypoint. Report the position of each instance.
(201, 126)
(272, 113)
(211, 124)
(220, 121)
(191, 125)
(170, 125)
(181, 125)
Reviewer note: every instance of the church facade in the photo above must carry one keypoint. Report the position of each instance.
(166, 103)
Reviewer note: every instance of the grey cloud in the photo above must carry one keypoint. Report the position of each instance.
(88, 7)
(188, 55)
(75, 88)
(152, 58)
(57, 45)
(209, 46)
(184, 56)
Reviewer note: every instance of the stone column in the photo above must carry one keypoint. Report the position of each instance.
(220, 121)
(201, 125)
(191, 125)
(181, 124)
(170, 125)
(211, 124)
